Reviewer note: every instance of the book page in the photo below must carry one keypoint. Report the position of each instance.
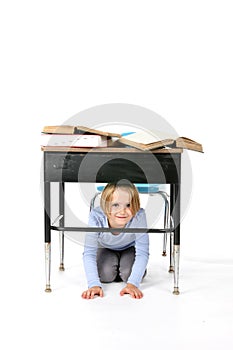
(148, 137)
(73, 140)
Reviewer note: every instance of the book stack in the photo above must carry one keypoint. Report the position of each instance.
(75, 137)
(82, 136)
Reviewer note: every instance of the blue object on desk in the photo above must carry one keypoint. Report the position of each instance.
(127, 133)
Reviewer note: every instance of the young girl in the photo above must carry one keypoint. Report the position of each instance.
(116, 256)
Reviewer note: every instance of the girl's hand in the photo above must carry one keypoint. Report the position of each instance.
(132, 290)
(91, 292)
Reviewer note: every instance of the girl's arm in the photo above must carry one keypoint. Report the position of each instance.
(141, 252)
(90, 252)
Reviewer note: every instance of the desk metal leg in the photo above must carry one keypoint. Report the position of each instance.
(62, 223)
(175, 210)
(176, 272)
(47, 232)
(171, 267)
(47, 266)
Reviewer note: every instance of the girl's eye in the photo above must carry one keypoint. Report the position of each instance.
(117, 205)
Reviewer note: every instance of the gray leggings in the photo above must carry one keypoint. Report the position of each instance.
(115, 265)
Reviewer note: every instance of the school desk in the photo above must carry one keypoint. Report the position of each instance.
(103, 165)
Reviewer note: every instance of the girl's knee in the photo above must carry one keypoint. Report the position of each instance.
(125, 273)
(107, 274)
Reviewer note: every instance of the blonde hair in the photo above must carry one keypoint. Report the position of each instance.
(106, 196)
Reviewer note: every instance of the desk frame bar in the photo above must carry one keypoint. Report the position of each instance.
(47, 229)
(107, 229)
(47, 212)
(61, 222)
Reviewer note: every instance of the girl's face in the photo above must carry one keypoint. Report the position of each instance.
(120, 212)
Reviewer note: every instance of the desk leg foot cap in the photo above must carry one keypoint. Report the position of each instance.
(61, 267)
(164, 254)
(176, 291)
(171, 269)
(48, 289)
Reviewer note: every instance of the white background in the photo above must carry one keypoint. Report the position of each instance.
(61, 57)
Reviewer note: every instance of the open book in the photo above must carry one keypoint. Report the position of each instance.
(70, 129)
(148, 141)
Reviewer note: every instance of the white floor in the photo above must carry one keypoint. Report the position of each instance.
(200, 317)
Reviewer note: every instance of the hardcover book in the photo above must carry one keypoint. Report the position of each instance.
(70, 129)
(147, 141)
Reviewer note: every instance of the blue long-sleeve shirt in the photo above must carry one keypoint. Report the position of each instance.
(122, 241)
